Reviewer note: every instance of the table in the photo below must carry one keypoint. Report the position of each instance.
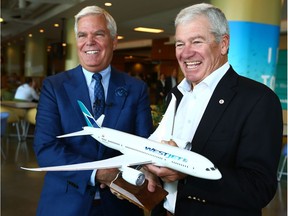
(19, 104)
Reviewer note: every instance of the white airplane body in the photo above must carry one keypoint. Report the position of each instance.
(140, 151)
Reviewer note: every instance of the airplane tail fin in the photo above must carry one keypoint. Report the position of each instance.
(164, 131)
(91, 122)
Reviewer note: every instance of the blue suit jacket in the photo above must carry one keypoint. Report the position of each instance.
(69, 193)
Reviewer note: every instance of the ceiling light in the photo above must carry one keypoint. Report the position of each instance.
(41, 30)
(108, 4)
(119, 37)
(1, 19)
(56, 25)
(150, 30)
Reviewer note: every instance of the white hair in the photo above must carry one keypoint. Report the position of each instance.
(111, 24)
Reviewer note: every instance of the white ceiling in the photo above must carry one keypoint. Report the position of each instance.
(25, 16)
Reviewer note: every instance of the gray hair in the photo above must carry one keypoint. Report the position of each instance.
(95, 10)
(218, 22)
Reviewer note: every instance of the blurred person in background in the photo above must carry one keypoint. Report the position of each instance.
(27, 91)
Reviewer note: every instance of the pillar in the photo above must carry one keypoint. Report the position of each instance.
(254, 37)
(71, 59)
(13, 60)
(35, 56)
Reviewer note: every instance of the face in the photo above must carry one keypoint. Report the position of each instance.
(94, 43)
(196, 50)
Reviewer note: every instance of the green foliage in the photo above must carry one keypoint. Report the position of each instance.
(157, 113)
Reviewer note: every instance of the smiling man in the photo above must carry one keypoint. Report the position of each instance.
(234, 121)
(126, 107)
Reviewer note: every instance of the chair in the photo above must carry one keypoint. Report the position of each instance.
(13, 119)
(4, 118)
(282, 167)
(31, 116)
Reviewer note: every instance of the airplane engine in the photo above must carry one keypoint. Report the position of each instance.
(133, 176)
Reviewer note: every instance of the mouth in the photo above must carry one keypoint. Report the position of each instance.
(192, 64)
(92, 52)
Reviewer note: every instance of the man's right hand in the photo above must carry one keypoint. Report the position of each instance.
(105, 176)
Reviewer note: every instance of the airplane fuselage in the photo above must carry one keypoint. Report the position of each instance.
(159, 154)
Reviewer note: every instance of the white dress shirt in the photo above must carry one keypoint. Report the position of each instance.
(188, 116)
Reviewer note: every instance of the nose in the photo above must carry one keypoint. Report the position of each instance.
(187, 51)
(90, 40)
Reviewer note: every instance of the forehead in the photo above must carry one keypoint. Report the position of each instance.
(196, 26)
(92, 21)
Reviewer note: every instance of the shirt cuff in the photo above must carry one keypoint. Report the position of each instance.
(92, 178)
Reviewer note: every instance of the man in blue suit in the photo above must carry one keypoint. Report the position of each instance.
(127, 108)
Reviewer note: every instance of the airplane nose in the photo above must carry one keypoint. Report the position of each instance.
(213, 173)
(218, 175)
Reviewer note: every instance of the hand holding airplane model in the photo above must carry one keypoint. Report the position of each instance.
(140, 151)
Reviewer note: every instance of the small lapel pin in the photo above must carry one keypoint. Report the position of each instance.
(221, 101)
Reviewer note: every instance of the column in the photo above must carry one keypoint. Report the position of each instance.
(254, 31)
(13, 60)
(36, 56)
(71, 59)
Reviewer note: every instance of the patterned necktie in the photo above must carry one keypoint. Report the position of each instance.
(99, 103)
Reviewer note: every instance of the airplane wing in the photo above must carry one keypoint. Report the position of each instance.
(115, 162)
(77, 133)
(165, 129)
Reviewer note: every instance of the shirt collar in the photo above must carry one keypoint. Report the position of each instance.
(213, 79)
(106, 73)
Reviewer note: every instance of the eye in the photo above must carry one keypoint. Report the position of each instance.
(179, 44)
(100, 34)
(80, 35)
(197, 42)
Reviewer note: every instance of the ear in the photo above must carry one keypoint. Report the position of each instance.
(115, 42)
(225, 44)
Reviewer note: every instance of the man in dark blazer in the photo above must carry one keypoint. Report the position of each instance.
(127, 108)
(232, 120)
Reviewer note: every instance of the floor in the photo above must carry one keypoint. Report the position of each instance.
(20, 190)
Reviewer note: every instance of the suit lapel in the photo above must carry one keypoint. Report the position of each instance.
(76, 89)
(217, 105)
(116, 97)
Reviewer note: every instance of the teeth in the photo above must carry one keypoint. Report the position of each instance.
(91, 52)
(192, 64)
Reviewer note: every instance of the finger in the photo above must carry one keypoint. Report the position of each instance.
(172, 143)
(151, 185)
(153, 169)
(164, 142)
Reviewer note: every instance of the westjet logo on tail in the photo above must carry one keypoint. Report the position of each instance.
(167, 155)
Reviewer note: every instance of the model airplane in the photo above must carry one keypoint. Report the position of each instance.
(140, 151)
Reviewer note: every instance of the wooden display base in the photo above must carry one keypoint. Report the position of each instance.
(138, 195)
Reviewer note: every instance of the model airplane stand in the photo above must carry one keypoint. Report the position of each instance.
(138, 195)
